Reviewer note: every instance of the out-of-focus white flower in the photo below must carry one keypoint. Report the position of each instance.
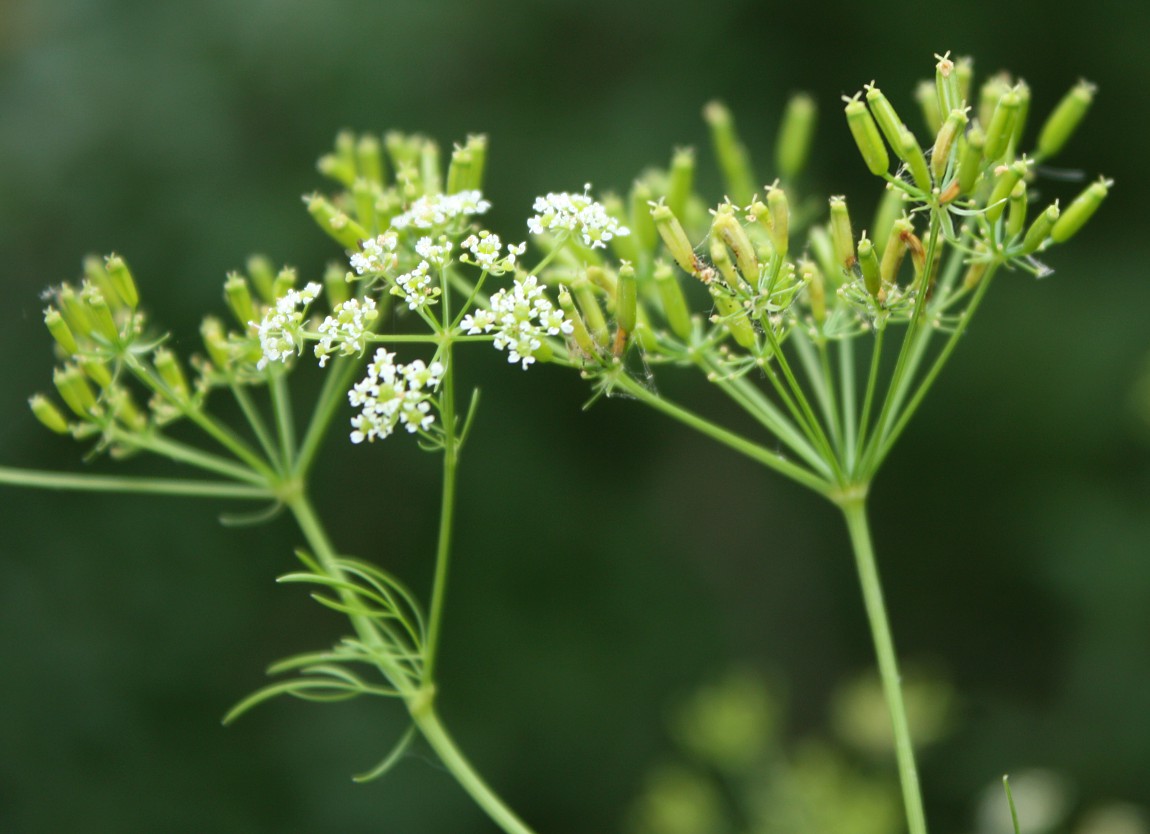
(415, 287)
(376, 255)
(436, 254)
(437, 210)
(577, 213)
(346, 330)
(485, 251)
(281, 329)
(391, 395)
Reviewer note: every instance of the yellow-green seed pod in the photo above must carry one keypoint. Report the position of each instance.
(728, 229)
(48, 414)
(680, 180)
(74, 311)
(338, 225)
(262, 272)
(74, 390)
(1016, 214)
(215, 342)
(477, 147)
(1078, 212)
(674, 238)
(592, 313)
(239, 297)
(778, 220)
(369, 159)
(626, 247)
(642, 226)
(604, 280)
(674, 302)
(364, 195)
(96, 371)
(579, 332)
(868, 263)
(992, 90)
(1040, 229)
(1023, 90)
(866, 136)
(733, 316)
(722, 261)
(335, 285)
(974, 274)
(285, 280)
(121, 281)
(1000, 129)
(1064, 120)
(341, 164)
(945, 142)
(970, 160)
(893, 254)
(888, 121)
(927, 98)
(171, 373)
(946, 84)
(627, 298)
(429, 167)
(964, 72)
(793, 146)
(912, 154)
(732, 156)
(95, 273)
(100, 314)
(459, 170)
(125, 411)
(890, 208)
(842, 237)
(60, 331)
(812, 277)
(1008, 177)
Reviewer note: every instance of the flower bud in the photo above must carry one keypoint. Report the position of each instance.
(812, 277)
(335, 285)
(171, 373)
(674, 238)
(927, 97)
(239, 298)
(60, 331)
(842, 237)
(1078, 212)
(727, 228)
(970, 160)
(48, 414)
(888, 121)
(338, 225)
(733, 316)
(910, 152)
(121, 281)
(945, 142)
(732, 156)
(793, 145)
(868, 263)
(1000, 129)
(1040, 230)
(579, 332)
(674, 302)
(74, 390)
(680, 179)
(870, 144)
(1016, 215)
(895, 250)
(1062, 123)
(215, 342)
(1008, 177)
(626, 298)
(369, 159)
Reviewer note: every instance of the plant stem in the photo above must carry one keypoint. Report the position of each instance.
(148, 486)
(854, 511)
(446, 513)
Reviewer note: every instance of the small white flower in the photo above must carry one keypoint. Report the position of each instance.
(479, 321)
(437, 210)
(577, 213)
(346, 329)
(484, 250)
(281, 329)
(392, 395)
(376, 255)
(521, 317)
(435, 254)
(415, 287)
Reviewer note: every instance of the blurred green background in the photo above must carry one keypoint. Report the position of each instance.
(608, 561)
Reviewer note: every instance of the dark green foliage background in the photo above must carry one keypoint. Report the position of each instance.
(607, 560)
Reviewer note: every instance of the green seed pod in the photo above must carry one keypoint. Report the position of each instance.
(364, 194)
(674, 302)
(592, 313)
(674, 238)
(121, 281)
(100, 314)
(125, 410)
(733, 316)
(888, 121)
(1039, 230)
(1000, 128)
(626, 247)
(459, 170)
(215, 342)
(262, 272)
(945, 142)
(722, 261)
(970, 160)
(60, 331)
(946, 85)
(912, 154)
(964, 72)
(369, 159)
(285, 281)
(171, 373)
(992, 90)
(868, 262)
(627, 298)
(341, 164)
(97, 275)
(1078, 212)
(865, 132)
(579, 333)
(477, 147)
(97, 371)
(1008, 177)
(1062, 123)
(778, 220)
(1016, 215)
(927, 97)
(793, 145)
(732, 155)
(74, 390)
(812, 277)
(239, 297)
(603, 279)
(335, 223)
(842, 237)
(335, 285)
(821, 246)
(74, 311)
(680, 180)
(48, 414)
(895, 250)
(1023, 90)
(429, 167)
(642, 226)
(727, 228)
(890, 208)
(974, 274)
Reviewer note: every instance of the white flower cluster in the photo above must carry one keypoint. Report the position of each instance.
(576, 213)
(281, 330)
(346, 329)
(520, 318)
(437, 210)
(485, 249)
(436, 254)
(391, 395)
(415, 287)
(376, 254)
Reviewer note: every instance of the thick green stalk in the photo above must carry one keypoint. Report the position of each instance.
(446, 513)
(854, 511)
(126, 484)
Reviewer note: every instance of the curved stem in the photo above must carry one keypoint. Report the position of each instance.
(854, 511)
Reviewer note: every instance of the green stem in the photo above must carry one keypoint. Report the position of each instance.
(446, 513)
(255, 419)
(194, 457)
(334, 391)
(854, 511)
(150, 486)
(285, 426)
